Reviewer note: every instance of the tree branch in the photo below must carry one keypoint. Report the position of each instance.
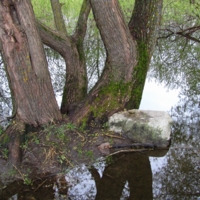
(185, 33)
(191, 30)
(58, 17)
(82, 21)
(189, 37)
(54, 39)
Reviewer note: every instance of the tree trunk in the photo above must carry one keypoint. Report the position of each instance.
(143, 26)
(71, 49)
(128, 51)
(145, 21)
(112, 91)
(128, 56)
(26, 65)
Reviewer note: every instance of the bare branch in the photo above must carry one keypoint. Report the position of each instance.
(188, 36)
(191, 30)
(185, 33)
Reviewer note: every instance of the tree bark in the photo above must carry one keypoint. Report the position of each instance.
(145, 21)
(112, 91)
(120, 48)
(143, 26)
(128, 51)
(58, 18)
(26, 65)
(71, 49)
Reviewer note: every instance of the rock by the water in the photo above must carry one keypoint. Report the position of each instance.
(143, 126)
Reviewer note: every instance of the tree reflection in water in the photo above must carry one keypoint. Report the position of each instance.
(123, 176)
(129, 176)
(179, 177)
(133, 168)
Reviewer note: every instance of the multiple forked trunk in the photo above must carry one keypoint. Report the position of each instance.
(128, 50)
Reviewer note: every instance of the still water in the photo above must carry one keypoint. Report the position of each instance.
(172, 174)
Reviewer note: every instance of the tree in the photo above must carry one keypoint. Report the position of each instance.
(71, 49)
(128, 52)
(23, 54)
(26, 65)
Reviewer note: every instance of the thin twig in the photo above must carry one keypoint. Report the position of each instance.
(83, 138)
(130, 150)
(40, 185)
(22, 176)
(114, 136)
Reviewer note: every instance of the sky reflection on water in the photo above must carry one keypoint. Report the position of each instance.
(140, 175)
(157, 97)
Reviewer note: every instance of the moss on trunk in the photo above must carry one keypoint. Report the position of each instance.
(139, 77)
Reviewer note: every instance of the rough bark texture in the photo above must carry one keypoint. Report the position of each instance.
(26, 64)
(120, 48)
(144, 29)
(144, 22)
(71, 49)
(113, 89)
(128, 56)
(75, 88)
(128, 50)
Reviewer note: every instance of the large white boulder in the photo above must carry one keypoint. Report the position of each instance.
(143, 126)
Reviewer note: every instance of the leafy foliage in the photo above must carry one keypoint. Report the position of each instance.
(70, 9)
(127, 7)
(179, 11)
(43, 12)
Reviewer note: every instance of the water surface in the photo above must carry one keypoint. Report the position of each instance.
(172, 174)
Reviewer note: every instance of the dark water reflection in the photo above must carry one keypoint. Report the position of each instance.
(130, 174)
(174, 174)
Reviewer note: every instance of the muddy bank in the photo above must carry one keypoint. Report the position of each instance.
(54, 149)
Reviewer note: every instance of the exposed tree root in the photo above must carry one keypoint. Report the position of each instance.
(15, 133)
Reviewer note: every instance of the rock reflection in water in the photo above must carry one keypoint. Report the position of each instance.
(179, 174)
